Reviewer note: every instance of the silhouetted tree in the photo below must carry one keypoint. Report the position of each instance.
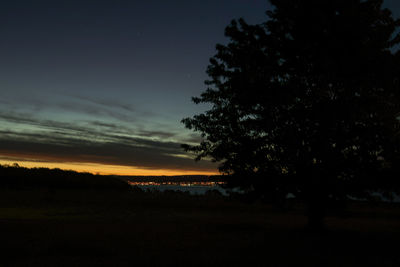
(306, 103)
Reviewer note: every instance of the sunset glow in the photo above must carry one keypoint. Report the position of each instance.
(104, 169)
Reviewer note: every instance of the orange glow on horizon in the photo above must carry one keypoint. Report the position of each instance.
(105, 169)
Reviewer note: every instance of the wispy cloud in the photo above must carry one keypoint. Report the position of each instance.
(107, 107)
(125, 151)
(92, 142)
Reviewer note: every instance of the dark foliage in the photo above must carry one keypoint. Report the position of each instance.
(306, 103)
(16, 177)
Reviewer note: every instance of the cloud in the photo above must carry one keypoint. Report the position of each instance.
(86, 128)
(124, 151)
(122, 129)
(193, 138)
(17, 117)
(92, 142)
(97, 111)
(80, 105)
(109, 103)
(160, 134)
(105, 107)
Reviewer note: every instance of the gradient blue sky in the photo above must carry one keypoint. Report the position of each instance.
(97, 83)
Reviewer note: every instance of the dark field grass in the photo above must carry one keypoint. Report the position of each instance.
(102, 228)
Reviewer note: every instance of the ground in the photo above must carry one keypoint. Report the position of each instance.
(101, 228)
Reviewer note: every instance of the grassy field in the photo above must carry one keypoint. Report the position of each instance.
(109, 228)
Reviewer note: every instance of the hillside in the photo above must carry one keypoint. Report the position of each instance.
(16, 177)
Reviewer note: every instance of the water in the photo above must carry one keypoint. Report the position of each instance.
(202, 189)
(193, 190)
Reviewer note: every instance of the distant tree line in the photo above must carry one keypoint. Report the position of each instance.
(16, 177)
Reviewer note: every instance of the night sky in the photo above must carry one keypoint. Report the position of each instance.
(101, 86)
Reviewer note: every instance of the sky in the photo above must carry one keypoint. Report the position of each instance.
(101, 86)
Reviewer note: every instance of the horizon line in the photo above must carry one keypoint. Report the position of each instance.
(106, 169)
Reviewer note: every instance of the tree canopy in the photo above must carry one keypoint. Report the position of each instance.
(307, 102)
